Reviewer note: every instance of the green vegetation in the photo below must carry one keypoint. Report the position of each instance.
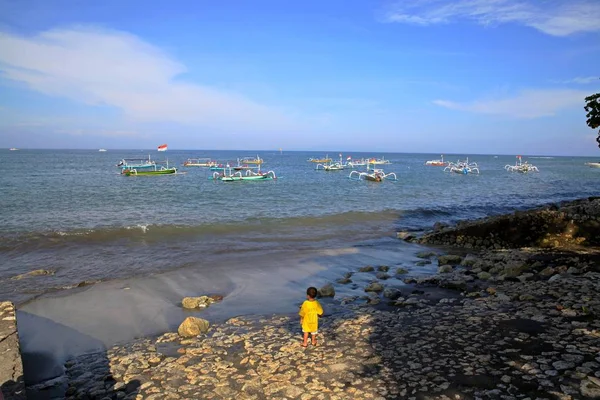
(592, 107)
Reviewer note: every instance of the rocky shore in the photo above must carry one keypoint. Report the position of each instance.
(12, 386)
(504, 321)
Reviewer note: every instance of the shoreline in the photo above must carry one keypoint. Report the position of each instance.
(494, 322)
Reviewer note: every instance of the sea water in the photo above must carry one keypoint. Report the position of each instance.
(70, 211)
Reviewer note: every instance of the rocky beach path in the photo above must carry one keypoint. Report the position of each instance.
(493, 323)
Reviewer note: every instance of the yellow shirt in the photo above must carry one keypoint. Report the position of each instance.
(309, 313)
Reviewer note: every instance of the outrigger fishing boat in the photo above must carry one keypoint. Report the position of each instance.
(520, 166)
(379, 161)
(462, 167)
(321, 160)
(593, 164)
(336, 166)
(136, 163)
(377, 175)
(200, 162)
(154, 170)
(356, 163)
(251, 160)
(229, 175)
(437, 163)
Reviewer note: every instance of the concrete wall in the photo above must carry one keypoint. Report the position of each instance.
(11, 367)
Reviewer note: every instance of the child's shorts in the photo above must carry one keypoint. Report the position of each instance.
(312, 333)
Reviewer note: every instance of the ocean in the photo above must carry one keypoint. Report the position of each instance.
(72, 213)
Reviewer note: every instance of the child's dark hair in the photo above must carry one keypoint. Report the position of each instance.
(311, 292)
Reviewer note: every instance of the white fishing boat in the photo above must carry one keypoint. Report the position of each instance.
(462, 167)
(379, 161)
(331, 166)
(374, 175)
(102, 150)
(200, 162)
(437, 163)
(13, 149)
(593, 164)
(522, 167)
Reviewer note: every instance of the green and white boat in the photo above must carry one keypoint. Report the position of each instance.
(228, 175)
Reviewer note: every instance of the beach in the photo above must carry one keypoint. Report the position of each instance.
(506, 322)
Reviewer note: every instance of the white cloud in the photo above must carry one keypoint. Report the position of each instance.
(118, 69)
(527, 104)
(553, 17)
(583, 80)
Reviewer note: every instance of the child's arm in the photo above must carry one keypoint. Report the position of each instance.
(319, 309)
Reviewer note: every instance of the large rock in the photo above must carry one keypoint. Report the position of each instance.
(449, 259)
(199, 302)
(326, 291)
(193, 326)
(37, 272)
(367, 268)
(374, 287)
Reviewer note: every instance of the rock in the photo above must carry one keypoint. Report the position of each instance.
(573, 271)
(554, 278)
(382, 275)
(326, 291)
(449, 259)
(525, 277)
(444, 269)
(344, 281)
(404, 235)
(590, 388)
(469, 261)
(422, 263)
(439, 226)
(374, 287)
(548, 271)
(426, 254)
(484, 276)
(37, 272)
(367, 268)
(197, 302)
(401, 271)
(560, 365)
(454, 285)
(193, 326)
(391, 293)
(383, 268)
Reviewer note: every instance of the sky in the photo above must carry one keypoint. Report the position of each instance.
(428, 76)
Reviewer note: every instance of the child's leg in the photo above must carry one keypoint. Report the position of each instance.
(305, 343)
(314, 338)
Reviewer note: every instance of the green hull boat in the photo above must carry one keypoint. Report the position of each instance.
(134, 172)
(246, 178)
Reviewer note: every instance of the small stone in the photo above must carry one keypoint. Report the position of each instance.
(367, 268)
(560, 365)
(382, 275)
(326, 291)
(444, 269)
(484, 276)
(383, 268)
(449, 259)
(401, 271)
(374, 287)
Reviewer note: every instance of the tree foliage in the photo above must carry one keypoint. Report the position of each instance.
(592, 107)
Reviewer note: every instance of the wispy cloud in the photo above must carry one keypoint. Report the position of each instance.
(581, 80)
(117, 69)
(553, 17)
(527, 104)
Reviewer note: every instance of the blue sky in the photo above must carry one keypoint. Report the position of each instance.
(467, 76)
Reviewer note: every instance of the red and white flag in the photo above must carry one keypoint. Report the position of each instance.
(162, 147)
(349, 158)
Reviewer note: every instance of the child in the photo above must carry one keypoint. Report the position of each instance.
(309, 316)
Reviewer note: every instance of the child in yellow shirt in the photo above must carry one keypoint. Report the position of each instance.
(309, 316)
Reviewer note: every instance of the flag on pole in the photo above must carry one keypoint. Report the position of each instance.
(162, 147)
(349, 158)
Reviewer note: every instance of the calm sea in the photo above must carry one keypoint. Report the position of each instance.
(71, 212)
